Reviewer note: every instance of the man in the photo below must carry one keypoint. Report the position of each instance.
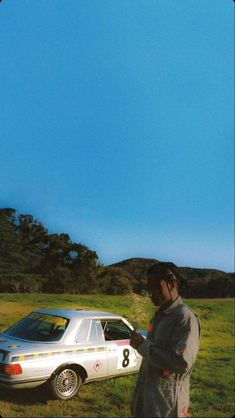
(170, 350)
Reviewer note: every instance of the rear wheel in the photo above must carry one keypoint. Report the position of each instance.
(65, 383)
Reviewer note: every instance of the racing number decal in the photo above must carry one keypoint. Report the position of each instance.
(126, 360)
(127, 356)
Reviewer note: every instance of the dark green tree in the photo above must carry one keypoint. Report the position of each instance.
(114, 281)
(85, 267)
(12, 257)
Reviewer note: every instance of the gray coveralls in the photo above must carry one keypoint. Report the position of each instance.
(169, 353)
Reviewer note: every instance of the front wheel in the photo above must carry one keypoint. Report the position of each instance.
(65, 383)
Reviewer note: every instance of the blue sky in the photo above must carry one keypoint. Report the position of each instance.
(117, 124)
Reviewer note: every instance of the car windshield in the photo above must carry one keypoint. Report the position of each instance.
(39, 327)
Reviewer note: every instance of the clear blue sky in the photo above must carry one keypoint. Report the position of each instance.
(117, 124)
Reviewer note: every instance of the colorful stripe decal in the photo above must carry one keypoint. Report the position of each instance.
(23, 357)
(123, 342)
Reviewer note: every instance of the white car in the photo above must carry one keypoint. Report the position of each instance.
(65, 348)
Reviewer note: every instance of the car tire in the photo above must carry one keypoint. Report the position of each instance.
(65, 383)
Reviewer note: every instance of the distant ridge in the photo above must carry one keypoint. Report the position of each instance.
(200, 282)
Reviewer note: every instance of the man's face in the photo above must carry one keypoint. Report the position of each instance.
(158, 291)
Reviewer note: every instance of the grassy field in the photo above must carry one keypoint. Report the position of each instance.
(212, 382)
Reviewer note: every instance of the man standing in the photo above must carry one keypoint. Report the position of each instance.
(170, 350)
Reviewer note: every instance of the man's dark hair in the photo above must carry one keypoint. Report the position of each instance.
(167, 271)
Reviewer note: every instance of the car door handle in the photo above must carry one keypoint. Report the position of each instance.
(112, 349)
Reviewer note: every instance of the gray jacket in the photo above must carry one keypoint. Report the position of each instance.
(169, 353)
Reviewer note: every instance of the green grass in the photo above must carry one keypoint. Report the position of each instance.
(212, 382)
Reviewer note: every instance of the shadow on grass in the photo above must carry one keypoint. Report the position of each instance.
(25, 396)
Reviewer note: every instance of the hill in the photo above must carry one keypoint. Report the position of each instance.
(199, 282)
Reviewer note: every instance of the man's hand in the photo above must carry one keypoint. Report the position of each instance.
(136, 339)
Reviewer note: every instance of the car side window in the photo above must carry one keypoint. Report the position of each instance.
(115, 330)
(96, 332)
(83, 331)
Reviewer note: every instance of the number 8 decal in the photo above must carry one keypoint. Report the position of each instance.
(126, 360)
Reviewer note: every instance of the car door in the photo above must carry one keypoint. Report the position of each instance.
(122, 358)
(94, 356)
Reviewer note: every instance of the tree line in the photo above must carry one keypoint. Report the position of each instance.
(33, 260)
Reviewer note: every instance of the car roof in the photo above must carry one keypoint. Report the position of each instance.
(78, 313)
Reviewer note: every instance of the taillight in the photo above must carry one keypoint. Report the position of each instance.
(12, 369)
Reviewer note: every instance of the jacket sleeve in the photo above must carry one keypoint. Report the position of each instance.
(177, 357)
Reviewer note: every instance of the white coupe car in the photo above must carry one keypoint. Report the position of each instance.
(65, 348)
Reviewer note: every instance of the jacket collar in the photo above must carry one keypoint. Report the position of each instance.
(169, 306)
